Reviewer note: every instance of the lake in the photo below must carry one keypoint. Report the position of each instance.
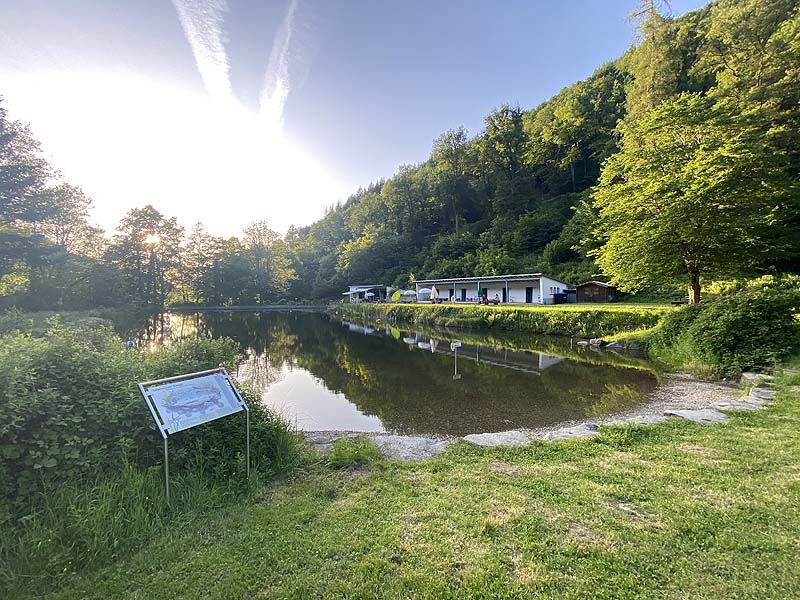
(325, 374)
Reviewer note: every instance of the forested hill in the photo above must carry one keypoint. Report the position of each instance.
(676, 164)
(517, 196)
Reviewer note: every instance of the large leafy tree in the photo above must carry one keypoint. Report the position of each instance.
(269, 258)
(691, 193)
(147, 250)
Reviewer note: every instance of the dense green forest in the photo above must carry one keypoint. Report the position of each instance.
(674, 165)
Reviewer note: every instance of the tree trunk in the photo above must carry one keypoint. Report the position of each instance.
(694, 285)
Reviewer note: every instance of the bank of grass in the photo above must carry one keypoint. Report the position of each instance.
(676, 510)
(582, 320)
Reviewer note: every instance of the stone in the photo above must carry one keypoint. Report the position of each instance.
(652, 419)
(749, 377)
(703, 416)
(649, 419)
(614, 345)
(762, 393)
(408, 447)
(583, 343)
(501, 438)
(572, 433)
(745, 403)
(596, 342)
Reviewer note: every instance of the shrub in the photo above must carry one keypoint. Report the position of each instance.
(70, 409)
(752, 327)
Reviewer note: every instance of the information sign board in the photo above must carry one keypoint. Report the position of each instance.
(184, 404)
(184, 401)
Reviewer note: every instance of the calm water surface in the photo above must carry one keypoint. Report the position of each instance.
(324, 374)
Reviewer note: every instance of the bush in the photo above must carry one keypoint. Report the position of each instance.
(751, 326)
(70, 409)
(81, 478)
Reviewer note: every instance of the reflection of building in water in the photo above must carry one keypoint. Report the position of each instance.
(359, 328)
(529, 362)
(520, 360)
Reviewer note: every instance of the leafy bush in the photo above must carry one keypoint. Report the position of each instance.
(70, 409)
(751, 326)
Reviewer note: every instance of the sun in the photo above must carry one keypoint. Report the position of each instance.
(130, 141)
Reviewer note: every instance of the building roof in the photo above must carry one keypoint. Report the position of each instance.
(600, 283)
(512, 277)
(361, 288)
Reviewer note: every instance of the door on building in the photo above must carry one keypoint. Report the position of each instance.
(505, 295)
(529, 295)
(463, 294)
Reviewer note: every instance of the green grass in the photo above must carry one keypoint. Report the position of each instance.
(672, 511)
(584, 320)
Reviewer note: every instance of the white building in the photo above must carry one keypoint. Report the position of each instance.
(522, 288)
(367, 293)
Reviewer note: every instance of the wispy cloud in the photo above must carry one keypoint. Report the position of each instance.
(277, 82)
(203, 23)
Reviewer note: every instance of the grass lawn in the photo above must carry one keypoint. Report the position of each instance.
(672, 511)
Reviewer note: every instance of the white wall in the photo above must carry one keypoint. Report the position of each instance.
(547, 293)
(516, 289)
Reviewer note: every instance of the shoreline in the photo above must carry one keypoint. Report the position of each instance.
(677, 392)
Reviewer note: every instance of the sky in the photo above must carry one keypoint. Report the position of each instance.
(229, 111)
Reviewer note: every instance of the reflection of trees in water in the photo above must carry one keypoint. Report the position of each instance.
(413, 391)
(267, 340)
(259, 370)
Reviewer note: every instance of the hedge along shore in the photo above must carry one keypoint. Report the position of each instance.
(586, 320)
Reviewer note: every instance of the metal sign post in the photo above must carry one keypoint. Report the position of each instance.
(184, 401)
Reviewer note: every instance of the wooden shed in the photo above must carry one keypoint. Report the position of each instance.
(596, 291)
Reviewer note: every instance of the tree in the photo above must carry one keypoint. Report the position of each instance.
(147, 251)
(201, 255)
(505, 145)
(68, 226)
(271, 268)
(691, 193)
(24, 173)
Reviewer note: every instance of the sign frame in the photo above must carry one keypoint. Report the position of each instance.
(147, 387)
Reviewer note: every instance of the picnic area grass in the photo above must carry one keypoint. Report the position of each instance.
(676, 510)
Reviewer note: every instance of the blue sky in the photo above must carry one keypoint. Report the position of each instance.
(230, 111)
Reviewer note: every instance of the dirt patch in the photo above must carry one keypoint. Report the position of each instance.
(699, 450)
(500, 468)
(582, 535)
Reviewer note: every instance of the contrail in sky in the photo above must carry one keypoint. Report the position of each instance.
(277, 83)
(203, 24)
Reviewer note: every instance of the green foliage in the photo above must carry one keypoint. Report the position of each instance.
(752, 326)
(353, 452)
(692, 192)
(70, 409)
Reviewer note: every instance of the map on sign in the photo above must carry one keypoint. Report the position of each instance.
(184, 404)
